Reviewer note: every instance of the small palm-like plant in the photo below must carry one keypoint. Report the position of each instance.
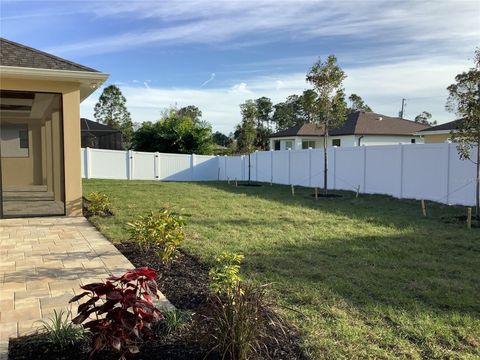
(60, 331)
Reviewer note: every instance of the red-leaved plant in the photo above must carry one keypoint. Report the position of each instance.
(123, 309)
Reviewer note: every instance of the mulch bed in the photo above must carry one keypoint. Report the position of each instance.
(185, 284)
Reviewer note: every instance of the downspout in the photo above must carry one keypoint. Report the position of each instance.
(360, 139)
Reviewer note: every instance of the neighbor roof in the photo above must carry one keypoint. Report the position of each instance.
(18, 55)
(95, 127)
(447, 127)
(359, 123)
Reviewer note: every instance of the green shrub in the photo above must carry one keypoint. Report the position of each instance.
(172, 321)
(61, 332)
(225, 274)
(98, 203)
(161, 232)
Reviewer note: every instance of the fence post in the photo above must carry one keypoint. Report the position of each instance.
(192, 166)
(130, 164)
(271, 166)
(309, 167)
(88, 163)
(256, 165)
(364, 169)
(334, 167)
(226, 162)
(156, 165)
(448, 174)
(401, 171)
(289, 166)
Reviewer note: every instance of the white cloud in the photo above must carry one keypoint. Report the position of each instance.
(422, 82)
(411, 24)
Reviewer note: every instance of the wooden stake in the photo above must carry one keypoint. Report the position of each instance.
(358, 191)
(293, 190)
(316, 193)
(469, 218)
(424, 208)
(236, 182)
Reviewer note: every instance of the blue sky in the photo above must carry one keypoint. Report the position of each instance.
(217, 54)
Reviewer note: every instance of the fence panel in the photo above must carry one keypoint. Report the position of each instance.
(424, 172)
(206, 168)
(109, 164)
(383, 170)
(417, 171)
(281, 166)
(143, 165)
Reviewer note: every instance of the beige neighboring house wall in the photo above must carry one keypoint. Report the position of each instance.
(436, 138)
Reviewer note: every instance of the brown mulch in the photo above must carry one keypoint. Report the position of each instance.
(185, 283)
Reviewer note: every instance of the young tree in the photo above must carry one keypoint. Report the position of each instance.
(246, 131)
(111, 110)
(464, 100)
(263, 118)
(424, 118)
(327, 78)
(357, 103)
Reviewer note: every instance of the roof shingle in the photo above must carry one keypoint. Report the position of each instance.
(14, 54)
(359, 123)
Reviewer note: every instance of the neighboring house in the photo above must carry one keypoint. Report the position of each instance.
(100, 136)
(40, 95)
(360, 128)
(439, 133)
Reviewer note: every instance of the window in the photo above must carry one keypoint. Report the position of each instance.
(308, 144)
(336, 142)
(14, 140)
(413, 141)
(23, 136)
(288, 144)
(276, 145)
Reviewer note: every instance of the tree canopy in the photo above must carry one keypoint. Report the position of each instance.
(464, 101)
(357, 103)
(424, 118)
(176, 132)
(111, 110)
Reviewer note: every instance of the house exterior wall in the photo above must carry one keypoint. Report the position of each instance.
(71, 134)
(435, 138)
(347, 141)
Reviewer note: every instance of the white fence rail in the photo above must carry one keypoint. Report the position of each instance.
(418, 171)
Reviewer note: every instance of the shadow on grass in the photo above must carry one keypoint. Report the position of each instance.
(402, 272)
(375, 209)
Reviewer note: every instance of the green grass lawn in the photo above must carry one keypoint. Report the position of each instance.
(362, 278)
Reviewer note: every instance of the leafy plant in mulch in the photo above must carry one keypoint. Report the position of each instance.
(123, 309)
(161, 232)
(97, 203)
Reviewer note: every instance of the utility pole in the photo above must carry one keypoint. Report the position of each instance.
(404, 104)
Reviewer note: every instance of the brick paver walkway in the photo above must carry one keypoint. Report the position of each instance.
(43, 261)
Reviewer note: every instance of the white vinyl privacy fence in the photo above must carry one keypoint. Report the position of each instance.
(418, 171)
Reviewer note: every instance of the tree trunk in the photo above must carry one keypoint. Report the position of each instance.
(325, 160)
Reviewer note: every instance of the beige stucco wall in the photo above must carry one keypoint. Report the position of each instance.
(71, 132)
(435, 138)
(25, 170)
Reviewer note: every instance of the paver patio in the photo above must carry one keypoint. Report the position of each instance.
(43, 261)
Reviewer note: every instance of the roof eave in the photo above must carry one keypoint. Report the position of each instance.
(89, 80)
